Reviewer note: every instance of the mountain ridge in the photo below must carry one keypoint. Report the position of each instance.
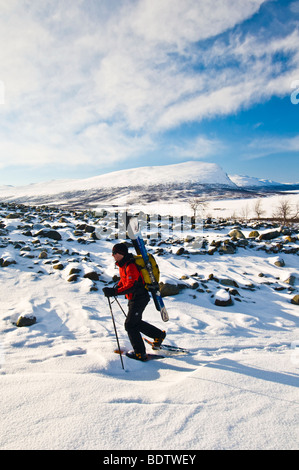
(147, 184)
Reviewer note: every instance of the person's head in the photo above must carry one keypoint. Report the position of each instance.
(119, 251)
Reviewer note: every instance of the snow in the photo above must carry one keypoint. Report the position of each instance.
(191, 172)
(251, 181)
(225, 208)
(222, 295)
(62, 387)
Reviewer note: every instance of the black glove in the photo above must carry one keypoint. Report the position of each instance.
(153, 287)
(109, 291)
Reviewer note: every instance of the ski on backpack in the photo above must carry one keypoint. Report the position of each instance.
(167, 347)
(153, 286)
(149, 357)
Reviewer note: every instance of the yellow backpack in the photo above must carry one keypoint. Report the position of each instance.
(141, 267)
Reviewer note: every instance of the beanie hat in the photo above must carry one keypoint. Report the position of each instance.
(120, 248)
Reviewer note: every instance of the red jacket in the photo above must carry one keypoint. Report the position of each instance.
(131, 282)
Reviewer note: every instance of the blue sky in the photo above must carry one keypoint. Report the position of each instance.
(89, 86)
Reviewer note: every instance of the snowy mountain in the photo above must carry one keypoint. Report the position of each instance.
(164, 182)
(182, 173)
(146, 184)
(252, 182)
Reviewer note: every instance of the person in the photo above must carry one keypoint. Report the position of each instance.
(132, 285)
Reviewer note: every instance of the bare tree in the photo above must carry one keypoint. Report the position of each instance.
(197, 204)
(257, 208)
(244, 212)
(285, 211)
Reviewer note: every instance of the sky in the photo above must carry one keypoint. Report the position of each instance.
(93, 86)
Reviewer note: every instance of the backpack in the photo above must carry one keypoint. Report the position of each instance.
(139, 261)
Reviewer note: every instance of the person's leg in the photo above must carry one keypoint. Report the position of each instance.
(133, 324)
(152, 331)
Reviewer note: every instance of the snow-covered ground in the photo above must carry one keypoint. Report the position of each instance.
(62, 387)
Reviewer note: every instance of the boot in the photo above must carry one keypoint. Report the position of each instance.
(138, 356)
(158, 341)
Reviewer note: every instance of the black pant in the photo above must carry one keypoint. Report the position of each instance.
(134, 324)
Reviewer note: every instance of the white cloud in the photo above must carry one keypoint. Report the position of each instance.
(148, 68)
(254, 77)
(294, 7)
(82, 77)
(97, 145)
(259, 148)
(174, 22)
(198, 147)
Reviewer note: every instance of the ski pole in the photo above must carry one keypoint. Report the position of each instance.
(115, 298)
(121, 359)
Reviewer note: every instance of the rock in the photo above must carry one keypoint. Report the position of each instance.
(48, 233)
(236, 234)
(78, 233)
(291, 279)
(93, 289)
(242, 242)
(93, 276)
(223, 298)
(295, 300)
(26, 321)
(211, 277)
(279, 263)
(8, 261)
(95, 236)
(254, 234)
(58, 266)
(89, 229)
(229, 283)
(167, 289)
(27, 233)
(74, 271)
(249, 286)
(25, 248)
(73, 278)
(43, 255)
(269, 235)
(180, 251)
(227, 249)
(200, 290)
(234, 292)
(13, 215)
(194, 285)
(215, 243)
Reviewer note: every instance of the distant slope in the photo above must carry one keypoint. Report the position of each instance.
(145, 184)
(188, 172)
(252, 182)
(181, 173)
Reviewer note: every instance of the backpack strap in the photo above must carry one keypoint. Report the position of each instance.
(132, 261)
